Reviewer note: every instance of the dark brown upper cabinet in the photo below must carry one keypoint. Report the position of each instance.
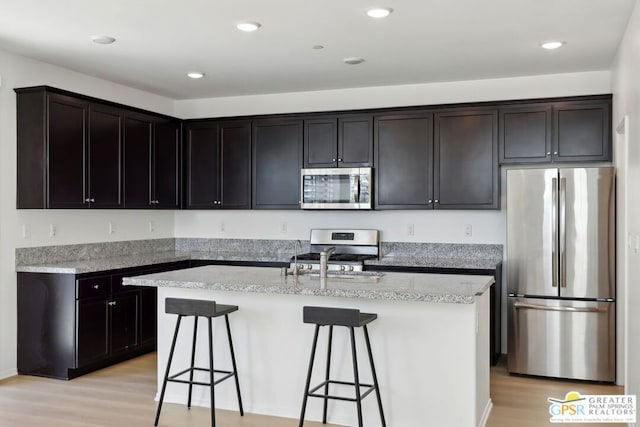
(69, 152)
(277, 160)
(582, 131)
(345, 141)
(403, 145)
(218, 165)
(165, 164)
(466, 159)
(151, 162)
(525, 134)
(562, 131)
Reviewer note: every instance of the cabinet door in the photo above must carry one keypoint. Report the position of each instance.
(235, 165)
(148, 319)
(124, 321)
(277, 160)
(525, 134)
(66, 152)
(137, 160)
(466, 159)
(321, 143)
(582, 131)
(105, 157)
(403, 161)
(92, 341)
(202, 163)
(355, 141)
(166, 165)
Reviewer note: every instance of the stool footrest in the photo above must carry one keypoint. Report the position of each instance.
(312, 393)
(173, 378)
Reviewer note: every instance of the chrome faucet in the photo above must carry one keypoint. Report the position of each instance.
(324, 257)
(297, 245)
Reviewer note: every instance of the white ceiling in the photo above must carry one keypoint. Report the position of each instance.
(158, 41)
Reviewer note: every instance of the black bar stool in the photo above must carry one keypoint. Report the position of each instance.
(199, 308)
(351, 318)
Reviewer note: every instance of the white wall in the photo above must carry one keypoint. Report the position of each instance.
(72, 226)
(626, 91)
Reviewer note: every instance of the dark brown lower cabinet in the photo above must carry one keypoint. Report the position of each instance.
(69, 325)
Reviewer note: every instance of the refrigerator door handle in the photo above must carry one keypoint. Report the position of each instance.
(552, 308)
(563, 232)
(554, 232)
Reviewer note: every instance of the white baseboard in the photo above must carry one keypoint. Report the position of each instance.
(8, 373)
(485, 414)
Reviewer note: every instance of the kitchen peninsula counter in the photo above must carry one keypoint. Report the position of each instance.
(430, 342)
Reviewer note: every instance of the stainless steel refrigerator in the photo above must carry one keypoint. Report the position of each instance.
(561, 272)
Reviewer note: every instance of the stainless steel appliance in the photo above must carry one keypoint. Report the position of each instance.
(336, 188)
(561, 272)
(352, 248)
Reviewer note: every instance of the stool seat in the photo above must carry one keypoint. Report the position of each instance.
(327, 316)
(196, 307)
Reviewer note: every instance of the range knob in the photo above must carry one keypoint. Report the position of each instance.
(309, 266)
(343, 267)
(351, 268)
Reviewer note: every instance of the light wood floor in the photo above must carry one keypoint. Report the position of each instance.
(522, 401)
(122, 396)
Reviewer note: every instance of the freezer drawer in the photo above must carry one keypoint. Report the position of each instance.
(561, 338)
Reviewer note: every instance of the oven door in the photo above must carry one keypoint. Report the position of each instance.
(337, 188)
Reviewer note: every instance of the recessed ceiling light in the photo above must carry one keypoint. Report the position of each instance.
(195, 75)
(379, 12)
(552, 45)
(102, 39)
(317, 47)
(353, 60)
(248, 26)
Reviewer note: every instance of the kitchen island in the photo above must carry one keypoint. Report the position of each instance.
(430, 342)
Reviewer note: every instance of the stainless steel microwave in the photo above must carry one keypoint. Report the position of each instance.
(336, 188)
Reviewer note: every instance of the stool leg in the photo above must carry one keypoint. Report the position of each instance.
(233, 363)
(326, 387)
(375, 377)
(193, 359)
(166, 372)
(356, 378)
(306, 387)
(212, 388)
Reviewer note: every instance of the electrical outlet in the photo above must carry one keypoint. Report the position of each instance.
(411, 230)
(26, 231)
(152, 227)
(283, 227)
(468, 230)
(222, 226)
(52, 230)
(112, 228)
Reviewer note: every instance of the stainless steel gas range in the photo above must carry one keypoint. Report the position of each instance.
(348, 250)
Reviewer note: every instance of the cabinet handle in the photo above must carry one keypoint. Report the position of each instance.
(333, 160)
(88, 200)
(96, 286)
(339, 159)
(436, 200)
(111, 303)
(429, 201)
(548, 153)
(555, 153)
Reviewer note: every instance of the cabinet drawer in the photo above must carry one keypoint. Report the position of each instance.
(93, 287)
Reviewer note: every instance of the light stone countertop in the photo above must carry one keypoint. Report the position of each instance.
(437, 288)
